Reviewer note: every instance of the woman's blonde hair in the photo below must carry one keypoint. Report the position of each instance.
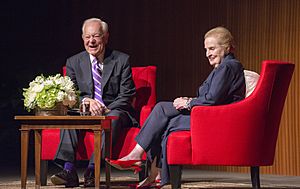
(223, 35)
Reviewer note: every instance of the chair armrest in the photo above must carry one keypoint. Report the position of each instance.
(234, 132)
(145, 112)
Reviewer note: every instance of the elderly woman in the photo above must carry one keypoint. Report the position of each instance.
(224, 85)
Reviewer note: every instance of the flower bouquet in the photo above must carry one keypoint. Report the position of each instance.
(50, 92)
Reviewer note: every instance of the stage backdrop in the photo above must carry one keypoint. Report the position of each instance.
(37, 37)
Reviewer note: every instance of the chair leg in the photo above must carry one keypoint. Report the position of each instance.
(44, 170)
(175, 176)
(255, 177)
(144, 172)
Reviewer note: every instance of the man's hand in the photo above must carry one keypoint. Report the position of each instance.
(96, 108)
(180, 103)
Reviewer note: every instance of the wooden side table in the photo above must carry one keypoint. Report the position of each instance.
(37, 123)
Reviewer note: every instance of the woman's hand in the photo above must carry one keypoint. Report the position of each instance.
(181, 103)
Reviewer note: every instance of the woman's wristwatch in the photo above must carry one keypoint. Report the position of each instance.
(188, 105)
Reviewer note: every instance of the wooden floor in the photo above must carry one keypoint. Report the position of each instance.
(10, 178)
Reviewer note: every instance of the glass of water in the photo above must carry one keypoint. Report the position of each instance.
(85, 108)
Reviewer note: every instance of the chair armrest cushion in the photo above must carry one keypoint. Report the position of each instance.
(232, 132)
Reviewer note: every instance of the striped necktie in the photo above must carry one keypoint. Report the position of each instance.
(97, 75)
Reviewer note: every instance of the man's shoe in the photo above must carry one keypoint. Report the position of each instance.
(68, 178)
(89, 178)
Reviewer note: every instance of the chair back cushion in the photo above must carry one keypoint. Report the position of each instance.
(145, 83)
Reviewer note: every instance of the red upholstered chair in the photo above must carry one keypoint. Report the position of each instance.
(145, 83)
(238, 134)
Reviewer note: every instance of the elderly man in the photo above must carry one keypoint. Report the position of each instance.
(104, 79)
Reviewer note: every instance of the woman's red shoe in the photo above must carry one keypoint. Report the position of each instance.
(154, 184)
(134, 165)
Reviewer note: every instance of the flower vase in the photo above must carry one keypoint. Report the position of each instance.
(58, 110)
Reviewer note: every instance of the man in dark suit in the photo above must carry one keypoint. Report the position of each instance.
(104, 79)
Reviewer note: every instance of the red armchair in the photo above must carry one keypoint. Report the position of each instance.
(145, 83)
(239, 134)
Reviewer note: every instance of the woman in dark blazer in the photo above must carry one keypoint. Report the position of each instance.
(224, 85)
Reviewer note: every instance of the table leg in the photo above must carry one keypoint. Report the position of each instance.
(24, 155)
(97, 152)
(37, 157)
(108, 149)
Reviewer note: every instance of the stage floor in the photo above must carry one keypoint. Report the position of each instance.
(10, 178)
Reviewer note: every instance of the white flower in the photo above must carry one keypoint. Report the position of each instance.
(39, 79)
(31, 97)
(60, 96)
(37, 87)
(49, 82)
(45, 92)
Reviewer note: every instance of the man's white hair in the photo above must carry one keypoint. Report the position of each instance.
(102, 23)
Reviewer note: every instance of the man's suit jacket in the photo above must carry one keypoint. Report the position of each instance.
(117, 85)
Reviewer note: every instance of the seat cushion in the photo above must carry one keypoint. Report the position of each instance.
(85, 149)
(49, 143)
(179, 148)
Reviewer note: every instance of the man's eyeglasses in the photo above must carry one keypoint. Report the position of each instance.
(96, 36)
